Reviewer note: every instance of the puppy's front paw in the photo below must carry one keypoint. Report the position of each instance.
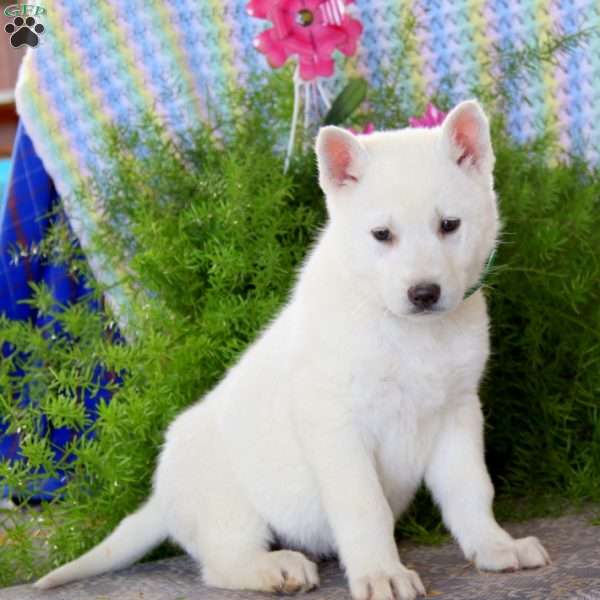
(287, 572)
(531, 553)
(398, 584)
(524, 553)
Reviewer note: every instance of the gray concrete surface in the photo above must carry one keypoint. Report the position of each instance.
(573, 543)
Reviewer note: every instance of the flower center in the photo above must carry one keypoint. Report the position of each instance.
(304, 18)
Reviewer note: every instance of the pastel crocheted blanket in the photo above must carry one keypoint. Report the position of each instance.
(110, 61)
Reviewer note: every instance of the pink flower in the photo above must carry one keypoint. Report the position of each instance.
(366, 130)
(310, 29)
(432, 117)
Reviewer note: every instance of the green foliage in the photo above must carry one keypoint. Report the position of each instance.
(543, 388)
(347, 101)
(212, 231)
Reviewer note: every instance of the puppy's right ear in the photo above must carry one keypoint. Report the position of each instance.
(342, 158)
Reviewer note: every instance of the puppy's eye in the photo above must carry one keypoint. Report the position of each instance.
(449, 225)
(382, 234)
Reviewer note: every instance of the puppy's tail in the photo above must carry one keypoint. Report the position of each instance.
(134, 536)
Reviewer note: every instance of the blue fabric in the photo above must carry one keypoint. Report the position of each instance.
(31, 206)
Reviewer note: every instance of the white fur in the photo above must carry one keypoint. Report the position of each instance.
(325, 428)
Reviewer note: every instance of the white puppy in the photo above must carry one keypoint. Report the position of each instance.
(363, 386)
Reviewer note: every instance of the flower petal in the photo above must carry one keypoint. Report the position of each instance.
(282, 23)
(432, 117)
(307, 69)
(268, 43)
(259, 8)
(299, 42)
(324, 67)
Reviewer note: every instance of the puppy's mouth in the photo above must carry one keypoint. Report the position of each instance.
(427, 312)
(419, 313)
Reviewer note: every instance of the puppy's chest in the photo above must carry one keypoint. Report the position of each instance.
(400, 395)
(413, 378)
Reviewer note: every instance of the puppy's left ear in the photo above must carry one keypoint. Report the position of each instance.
(466, 138)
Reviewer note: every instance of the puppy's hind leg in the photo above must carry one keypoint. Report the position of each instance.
(233, 542)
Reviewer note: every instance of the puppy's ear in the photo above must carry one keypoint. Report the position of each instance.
(342, 158)
(466, 138)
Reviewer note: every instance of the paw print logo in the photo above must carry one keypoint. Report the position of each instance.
(24, 31)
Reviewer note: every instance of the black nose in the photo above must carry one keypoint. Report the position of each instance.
(424, 295)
